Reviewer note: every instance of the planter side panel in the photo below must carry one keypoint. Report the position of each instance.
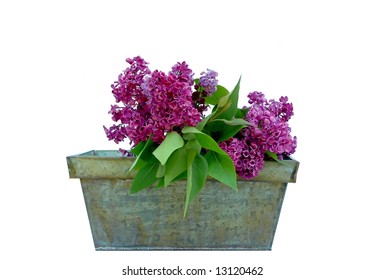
(219, 218)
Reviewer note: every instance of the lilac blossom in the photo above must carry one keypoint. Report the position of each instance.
(183, 73)
(206, 86)
(208, 81)
(247, 157)
(150, 104)
(270, 132)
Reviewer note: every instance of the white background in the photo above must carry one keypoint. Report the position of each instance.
(59, 58)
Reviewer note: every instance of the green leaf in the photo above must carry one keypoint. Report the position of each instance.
(233, 99)
(272, 155)
(190, 156)
(235, 121)
(223, 101)
(160, 171)
(228, 132)
(222, 169)
(182, 176)
(145, 154)
(205, 140)
(218, 110)
(229, 129)
(217, 95)
(228, 111)
(176, 164)
(197, 173)
(193, 145)
(241, 113)
(146, 177)
(275, 158)
(138, 148)
(201, 124)
(172, 142)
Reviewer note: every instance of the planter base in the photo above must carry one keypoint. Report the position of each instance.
(218, 219)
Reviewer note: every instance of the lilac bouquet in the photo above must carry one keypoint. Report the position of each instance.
(165, 117)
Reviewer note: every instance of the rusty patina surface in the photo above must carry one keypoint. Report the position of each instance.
(218, 219)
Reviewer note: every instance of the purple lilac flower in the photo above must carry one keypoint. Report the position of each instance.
(207, 86)
(247, 157)
(170, 105)
(270, 132)
(208, 81)
(127, 88)
(257, 98)
(183, 73)
(150, 104)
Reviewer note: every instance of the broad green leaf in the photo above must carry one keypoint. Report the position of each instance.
(228, 132)
(176, 164)
(190, 156)
(160, 183)
(189, 136)
(214, 125)
(275, 158)
(229, 129)
(272, 155)
(209, 143)
(222, 169)
(137, 165)
(217, 111)
(235, 121)
(145, 153)
(160, 171)
(201, 124)
(182, 176)
(227, 112)
(172, 142)
(205, 140)
(193, 145)
(138, 148)
(197, 173)
(233, 99)
(223, 101)
(241, 113)
(190, 129)
(146, 177)
(217, 95)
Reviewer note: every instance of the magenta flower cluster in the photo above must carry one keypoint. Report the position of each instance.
(152, 103)
(208, 81)
(149, 104)
(269, 132)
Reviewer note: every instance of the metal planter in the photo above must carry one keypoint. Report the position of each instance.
(218, 219)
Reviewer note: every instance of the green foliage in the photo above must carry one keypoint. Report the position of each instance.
(274, 157)
(221, 168)
(215, 98)
(172, 142)
(231, 104)
(194, 153)
(176, 165)
(145, 177)
(196, 176)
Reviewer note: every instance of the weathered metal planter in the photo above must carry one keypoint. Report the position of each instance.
(218, 219)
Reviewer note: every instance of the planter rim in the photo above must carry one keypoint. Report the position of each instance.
(98, 164)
